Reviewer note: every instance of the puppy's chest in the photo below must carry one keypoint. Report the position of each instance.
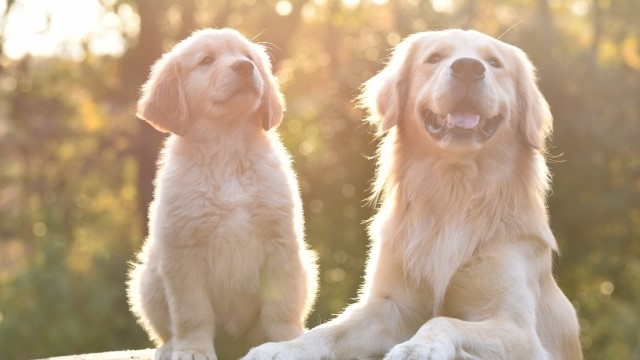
(229, 190)
(213, 199)
(225, 207)
(227, 196)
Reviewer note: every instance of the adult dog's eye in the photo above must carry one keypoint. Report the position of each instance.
(434, 58)
(494, 62)
(207, 60)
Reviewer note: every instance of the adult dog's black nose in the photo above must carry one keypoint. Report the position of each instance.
(467, 69)
(243, 67)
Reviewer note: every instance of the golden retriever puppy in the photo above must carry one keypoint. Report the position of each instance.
(461, 257)
(225, 254)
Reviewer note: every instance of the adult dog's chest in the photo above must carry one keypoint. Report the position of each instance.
(438, 237)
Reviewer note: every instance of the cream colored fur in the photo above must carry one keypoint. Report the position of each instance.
(461, 257)
(225, 251)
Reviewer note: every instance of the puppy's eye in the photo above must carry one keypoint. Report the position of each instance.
(207, 60)
(434, 58)
(250, 58)
(494, 62)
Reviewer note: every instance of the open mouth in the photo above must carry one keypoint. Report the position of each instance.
(464, 122)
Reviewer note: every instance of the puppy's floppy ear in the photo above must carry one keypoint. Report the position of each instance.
(384, 96)
(272, 107)
(162, 102)
(535, 120)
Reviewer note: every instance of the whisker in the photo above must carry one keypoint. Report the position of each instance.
(253, 39)
(510, 28)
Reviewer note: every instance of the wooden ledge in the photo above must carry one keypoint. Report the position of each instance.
(146, 354)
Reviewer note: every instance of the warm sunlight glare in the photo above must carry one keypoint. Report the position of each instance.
(351, 4)
(442, 5)
(60, 27)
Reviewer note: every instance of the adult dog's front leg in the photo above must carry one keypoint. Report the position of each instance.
(363, 330)
(386, 315)
(445, 338)
(498, 296)
(192, 317)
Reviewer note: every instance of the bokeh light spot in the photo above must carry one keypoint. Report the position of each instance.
(334, 275)
(349, 211)
(606, 288)
(351, 4)
(348, 190)
(340, 256)
(372, 54)
(306, 147)
(393, 39)
(445, 6)
(283, 8)
(316, 205)
(39, 229)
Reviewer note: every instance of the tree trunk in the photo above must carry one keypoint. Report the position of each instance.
(136, 64)
(597, 30)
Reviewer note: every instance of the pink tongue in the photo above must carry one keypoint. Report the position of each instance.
(463, 120)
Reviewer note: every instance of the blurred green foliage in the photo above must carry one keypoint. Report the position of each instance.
(76, 169)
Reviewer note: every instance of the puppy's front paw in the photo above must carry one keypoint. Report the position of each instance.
(193, 355)
(164, 352)
(276, 351)
(416, 350)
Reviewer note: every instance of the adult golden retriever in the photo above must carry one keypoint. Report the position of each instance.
(225, 254)
(461, 256)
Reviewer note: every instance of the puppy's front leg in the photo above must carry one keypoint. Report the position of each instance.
(285, 297)
(192, 318)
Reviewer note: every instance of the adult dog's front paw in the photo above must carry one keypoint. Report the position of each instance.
(417, 350)
(193, 355)
(276, 351)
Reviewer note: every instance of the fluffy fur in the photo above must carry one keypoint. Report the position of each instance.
(225, 254)
(461, 256)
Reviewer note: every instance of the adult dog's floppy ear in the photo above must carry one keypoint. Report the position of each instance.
(162, 102)
(535, 120)
(384, 95)
(272, 107)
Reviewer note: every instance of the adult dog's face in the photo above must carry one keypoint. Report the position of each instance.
(214, 75)
(462, 89)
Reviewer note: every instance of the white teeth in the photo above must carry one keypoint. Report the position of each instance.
(439, 127)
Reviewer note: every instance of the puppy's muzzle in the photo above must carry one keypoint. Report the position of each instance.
(246, 80)
(244, 68)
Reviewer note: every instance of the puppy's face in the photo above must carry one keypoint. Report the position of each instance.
(463, 89)
(214, 76)
(221, 77)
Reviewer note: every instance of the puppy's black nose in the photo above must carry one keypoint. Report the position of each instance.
(467, 69)
(243, 67)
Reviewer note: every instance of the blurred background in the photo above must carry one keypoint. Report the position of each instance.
(76, 166)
